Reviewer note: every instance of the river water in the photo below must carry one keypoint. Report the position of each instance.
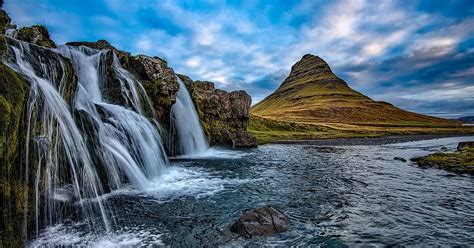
(334, 196)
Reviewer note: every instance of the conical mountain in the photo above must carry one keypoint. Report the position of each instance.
(312, 93)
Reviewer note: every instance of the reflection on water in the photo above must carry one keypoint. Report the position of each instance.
(355, 195)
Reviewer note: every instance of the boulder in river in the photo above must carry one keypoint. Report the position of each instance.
(400, 159)
(261, 222)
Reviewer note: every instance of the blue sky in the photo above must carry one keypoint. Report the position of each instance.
(418, 55)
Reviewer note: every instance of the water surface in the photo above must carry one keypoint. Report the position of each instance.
(352, 195)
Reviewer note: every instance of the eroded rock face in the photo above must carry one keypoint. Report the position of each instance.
(261, 222)
(37, 35)
(159, 81)
(224, 115)
(5, 21)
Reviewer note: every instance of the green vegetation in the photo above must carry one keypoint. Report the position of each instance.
(36, 34)
(458, 162)
(268, 130)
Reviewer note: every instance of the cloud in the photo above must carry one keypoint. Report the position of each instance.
(386, 50)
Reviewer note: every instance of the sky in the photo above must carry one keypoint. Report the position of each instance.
(416, 54)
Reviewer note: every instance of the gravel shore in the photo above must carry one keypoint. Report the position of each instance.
(369, 141)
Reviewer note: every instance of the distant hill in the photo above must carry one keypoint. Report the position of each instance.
(467, 119)
(312, 102)
(313, 93)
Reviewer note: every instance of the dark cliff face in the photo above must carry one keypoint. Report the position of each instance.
(224, 115)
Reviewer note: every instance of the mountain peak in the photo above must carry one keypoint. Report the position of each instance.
(310, 69)
(310, 63)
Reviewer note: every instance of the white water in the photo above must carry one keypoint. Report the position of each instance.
(49, 115)
(131, 142)
(119, 141)
(191, 136)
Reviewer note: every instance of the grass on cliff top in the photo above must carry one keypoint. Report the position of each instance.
(268, 130)
(458, 162)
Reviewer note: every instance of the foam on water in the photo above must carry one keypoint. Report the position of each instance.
(74, 235)
(213, 153)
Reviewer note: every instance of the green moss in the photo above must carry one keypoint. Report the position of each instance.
(12, 190)
(37, 34)
(3, 45)
(457, 162)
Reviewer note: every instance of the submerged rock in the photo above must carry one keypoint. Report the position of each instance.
(261, 222)
(400, 159)
(462, 146)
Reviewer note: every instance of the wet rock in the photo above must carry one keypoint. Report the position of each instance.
(400, 159)
(415, 159)
(462, 146)
(37, 35)
(444, 149)
(5, 21)
(261, 222)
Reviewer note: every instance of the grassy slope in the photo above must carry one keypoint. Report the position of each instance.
(314, 103)
(267, 130)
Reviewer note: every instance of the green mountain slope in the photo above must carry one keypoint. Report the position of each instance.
(312, 93)
(313, 102)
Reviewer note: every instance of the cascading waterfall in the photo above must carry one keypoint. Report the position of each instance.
(59, 140)
(185, 120)
(90, 147)
(131, 144)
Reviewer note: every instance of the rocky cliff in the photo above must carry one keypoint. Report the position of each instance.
(224, 115)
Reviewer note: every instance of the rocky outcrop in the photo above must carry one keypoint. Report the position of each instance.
(261, 222)
(37, 35)
(224, 115)
(461, 162)
(5, 21)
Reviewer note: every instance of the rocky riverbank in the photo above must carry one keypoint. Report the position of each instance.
(383, 140)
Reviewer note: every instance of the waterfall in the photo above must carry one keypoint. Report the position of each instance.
(83, 142)
(185, 120)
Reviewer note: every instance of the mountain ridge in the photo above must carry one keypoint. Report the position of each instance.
(312, 93)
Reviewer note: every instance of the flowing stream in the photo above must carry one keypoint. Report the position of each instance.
(334, 196)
